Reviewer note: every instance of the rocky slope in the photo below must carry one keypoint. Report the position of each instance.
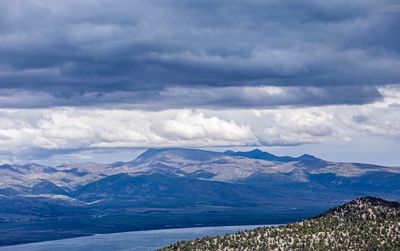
(367, 223)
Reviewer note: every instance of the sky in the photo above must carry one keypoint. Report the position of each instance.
(102, 80)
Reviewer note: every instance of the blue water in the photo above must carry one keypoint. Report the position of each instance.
(132, 241)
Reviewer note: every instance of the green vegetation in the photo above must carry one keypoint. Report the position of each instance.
(364, 224)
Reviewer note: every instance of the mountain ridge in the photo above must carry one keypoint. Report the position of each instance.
(253, 154)
(206, 185)
(228, 166)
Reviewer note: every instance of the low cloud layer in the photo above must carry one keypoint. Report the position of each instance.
(124, 52)
(184, 97)
(27, 134)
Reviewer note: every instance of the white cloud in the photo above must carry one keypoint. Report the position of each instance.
(189, 125)
(66, 128)
(301, 127)
(73, 129)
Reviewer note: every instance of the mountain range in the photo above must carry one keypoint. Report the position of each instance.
(175, 187)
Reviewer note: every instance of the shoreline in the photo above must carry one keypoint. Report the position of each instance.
(171, 235)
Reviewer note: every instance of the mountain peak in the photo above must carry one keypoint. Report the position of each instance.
(365, 208)
(193, 154)
(307, 157)
(47, 187)
(259, 154)
(256, 150)
(229, 152)
(148, 153)
(374, 201)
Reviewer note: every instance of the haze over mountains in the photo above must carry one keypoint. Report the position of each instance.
(214, 188)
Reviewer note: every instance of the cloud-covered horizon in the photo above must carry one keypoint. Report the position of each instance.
(39, 134)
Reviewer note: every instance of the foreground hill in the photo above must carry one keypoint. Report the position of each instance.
(367, 223)
(161, 188)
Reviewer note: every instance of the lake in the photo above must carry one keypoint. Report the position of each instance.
(132, 241)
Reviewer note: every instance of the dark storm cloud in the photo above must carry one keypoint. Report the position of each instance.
(205, 97)
(91, 52)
